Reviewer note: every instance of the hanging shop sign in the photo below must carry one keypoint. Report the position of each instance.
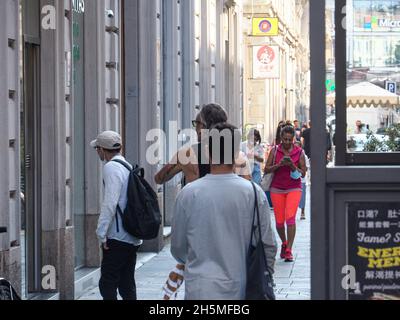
(373, 248)
(265, 27)
(266, 62)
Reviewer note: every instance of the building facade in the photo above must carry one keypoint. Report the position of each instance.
(74, 69)
(283, 94)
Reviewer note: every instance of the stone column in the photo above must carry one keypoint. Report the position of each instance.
(10, 246)
(57, 233)
(142, 86)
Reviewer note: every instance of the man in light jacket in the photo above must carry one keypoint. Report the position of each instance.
(213, 222)
(118, 246)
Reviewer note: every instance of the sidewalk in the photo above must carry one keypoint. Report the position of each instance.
(293, 280)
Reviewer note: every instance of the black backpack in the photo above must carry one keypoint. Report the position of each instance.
(142, 217)
(7, 292)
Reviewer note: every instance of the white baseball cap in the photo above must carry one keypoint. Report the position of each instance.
(108, 140)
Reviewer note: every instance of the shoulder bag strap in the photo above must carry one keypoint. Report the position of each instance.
(257, 210)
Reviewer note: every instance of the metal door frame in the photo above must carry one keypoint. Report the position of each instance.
(346, 182)
(32, 157)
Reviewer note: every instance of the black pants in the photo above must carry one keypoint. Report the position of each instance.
(118, 271)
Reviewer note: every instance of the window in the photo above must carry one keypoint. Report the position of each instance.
(367, 103)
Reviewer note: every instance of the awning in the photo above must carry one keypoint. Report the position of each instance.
(366, 94)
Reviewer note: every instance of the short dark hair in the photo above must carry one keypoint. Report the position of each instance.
(226, 138)
(212, 114)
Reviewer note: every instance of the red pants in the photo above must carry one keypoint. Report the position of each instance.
(285, 207)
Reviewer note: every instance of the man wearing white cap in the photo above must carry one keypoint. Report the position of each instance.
(118, 246)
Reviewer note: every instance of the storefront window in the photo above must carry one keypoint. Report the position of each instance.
(370, 114)
(373, 57)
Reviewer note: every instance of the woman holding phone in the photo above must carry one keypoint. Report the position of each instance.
(289, 167)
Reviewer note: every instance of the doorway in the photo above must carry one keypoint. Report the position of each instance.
(31, 170)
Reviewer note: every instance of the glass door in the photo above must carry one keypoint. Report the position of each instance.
(79, 137)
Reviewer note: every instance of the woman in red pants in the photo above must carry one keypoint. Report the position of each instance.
(288, 168)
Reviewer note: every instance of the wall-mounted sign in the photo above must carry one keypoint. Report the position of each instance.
(266, 62)
(374, 23)
(265, 27)
(391, 86)
(78, 6)
(373, 248)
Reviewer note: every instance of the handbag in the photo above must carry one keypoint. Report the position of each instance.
(268, 177)
(260, 284)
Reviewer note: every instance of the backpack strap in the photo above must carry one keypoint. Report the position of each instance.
(125, 164)
(119, 210)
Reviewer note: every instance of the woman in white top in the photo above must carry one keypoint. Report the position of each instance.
(255, 153)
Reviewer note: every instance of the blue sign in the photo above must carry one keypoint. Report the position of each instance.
(391, 86)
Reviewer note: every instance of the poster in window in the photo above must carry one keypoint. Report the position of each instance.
(266, 62)
(374, 250)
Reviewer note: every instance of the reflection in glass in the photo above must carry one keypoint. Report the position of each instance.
(373, 76)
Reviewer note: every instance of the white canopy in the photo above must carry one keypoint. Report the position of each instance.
(366, 94)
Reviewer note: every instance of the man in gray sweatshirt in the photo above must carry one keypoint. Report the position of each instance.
(213, 222)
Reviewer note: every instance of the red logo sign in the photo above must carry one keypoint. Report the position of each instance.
(265, 26)
(266, 55)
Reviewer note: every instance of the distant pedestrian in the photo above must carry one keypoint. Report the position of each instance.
(306, 140)
(304, 183)
(212, 227)
(255, 153)
(119, 248)
(297, 129)
(360, 128)
(288, 168)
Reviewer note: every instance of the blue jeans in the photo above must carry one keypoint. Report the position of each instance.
(303, 196)
(256, 174)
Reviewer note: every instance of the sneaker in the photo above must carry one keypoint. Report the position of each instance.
(288, 255)
(283, 250)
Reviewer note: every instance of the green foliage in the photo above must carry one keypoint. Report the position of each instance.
(373, 144)
(393, 134)
(391, 144)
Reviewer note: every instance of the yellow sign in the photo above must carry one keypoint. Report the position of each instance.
(265, 27)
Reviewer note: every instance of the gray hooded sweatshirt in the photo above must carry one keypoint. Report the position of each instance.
(211, 234)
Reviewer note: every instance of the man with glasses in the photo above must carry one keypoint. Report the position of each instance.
(197, 166)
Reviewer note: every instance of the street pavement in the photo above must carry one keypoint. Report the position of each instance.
(293, 280)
